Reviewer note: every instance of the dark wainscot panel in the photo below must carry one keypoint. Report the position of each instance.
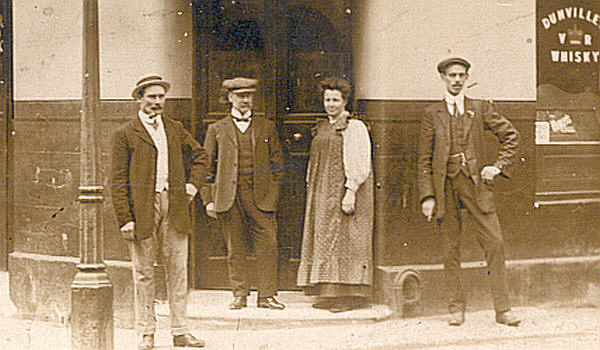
(404, 237)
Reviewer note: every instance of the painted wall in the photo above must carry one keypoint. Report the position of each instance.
(399, 43)
(137, 37)
(47, 49)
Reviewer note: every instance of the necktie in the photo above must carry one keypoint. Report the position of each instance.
(153, 122)
(459, 123)
(453, 119)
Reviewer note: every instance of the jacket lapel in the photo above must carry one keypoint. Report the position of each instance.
(230, 131)
(469, 115)
(141, 131)
(444, 117)
(170, 137)
(255, 124)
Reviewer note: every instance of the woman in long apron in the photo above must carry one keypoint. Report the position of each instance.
(336, 262)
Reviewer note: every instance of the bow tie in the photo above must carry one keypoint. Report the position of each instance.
(244, 120)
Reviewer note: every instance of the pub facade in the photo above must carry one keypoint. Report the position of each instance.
(536, 60)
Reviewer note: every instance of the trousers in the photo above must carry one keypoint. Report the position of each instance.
(173, 246)
(245, 220)
(460, 194)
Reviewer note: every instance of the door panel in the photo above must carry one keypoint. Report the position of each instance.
(307, 69)
(228, 64)
(296, 137)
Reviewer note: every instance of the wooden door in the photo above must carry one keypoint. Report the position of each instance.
(317, 45)
(289, 46)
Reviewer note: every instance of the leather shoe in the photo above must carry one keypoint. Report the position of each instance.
(270, 303)
(187, 340)
(508, 319)
(325, 304)
(349, 304)
(238, 303)
(457, 318)
(147, 342)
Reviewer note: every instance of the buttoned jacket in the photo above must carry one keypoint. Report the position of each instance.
(434, 148)
(133, 174)
(222, 147)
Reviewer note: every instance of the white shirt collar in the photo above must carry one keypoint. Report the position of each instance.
(239, 117)
(145, 118)
(344, 114)
(459, 100)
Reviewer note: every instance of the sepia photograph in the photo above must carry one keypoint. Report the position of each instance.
(299, 174)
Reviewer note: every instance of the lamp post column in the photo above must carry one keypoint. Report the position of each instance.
(91, 289)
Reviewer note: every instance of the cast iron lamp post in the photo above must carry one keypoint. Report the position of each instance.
(91, 289)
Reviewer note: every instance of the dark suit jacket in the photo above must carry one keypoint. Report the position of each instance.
(222, 147)
(133, 174)
(434, 148)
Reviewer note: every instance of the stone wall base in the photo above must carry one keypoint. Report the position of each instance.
(40, 287)
(530, 281)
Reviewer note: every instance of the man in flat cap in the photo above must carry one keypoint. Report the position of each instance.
(157, 168)
(454, 173)
(245, 161)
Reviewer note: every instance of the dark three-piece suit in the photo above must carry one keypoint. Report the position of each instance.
(450, 159)
(246, 170)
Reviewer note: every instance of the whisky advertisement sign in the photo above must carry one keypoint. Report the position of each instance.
(568, 48)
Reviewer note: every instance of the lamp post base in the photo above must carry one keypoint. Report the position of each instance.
(91, 310)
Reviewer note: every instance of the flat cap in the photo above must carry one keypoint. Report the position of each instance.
(149, 81)
(441, 67)
(240, 84)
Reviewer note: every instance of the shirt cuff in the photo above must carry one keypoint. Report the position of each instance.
(352, 185)
(210, 206)
(500, 166)
(191, 189)
(426, 198)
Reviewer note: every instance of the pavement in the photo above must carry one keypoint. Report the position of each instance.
(208, 310)
(567, 325)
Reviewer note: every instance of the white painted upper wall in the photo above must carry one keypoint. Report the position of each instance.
(137, 37)
(141, 37)
(399, 44)
(47, 49)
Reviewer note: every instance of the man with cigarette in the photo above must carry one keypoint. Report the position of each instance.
(452, 176)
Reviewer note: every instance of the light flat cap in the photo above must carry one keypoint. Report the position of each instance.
(240, 84)
(441, 67)
(149, 81)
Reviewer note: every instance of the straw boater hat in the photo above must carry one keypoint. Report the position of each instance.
(238, 85)
(441, 67)
(148, 81)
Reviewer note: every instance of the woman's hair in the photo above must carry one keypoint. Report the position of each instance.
(336, 83)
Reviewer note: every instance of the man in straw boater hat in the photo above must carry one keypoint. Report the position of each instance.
(245, 161)
(157, 168)
(453, 174)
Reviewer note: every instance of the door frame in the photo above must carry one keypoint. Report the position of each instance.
(6, 135)
(274, 85)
